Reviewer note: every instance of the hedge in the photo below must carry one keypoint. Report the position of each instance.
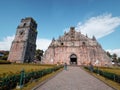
(4, 62)
(10, 82)
(108, 75)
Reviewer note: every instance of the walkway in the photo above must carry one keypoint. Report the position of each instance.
(74, 79)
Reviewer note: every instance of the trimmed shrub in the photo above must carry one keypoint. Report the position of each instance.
(10, 82)
(106, 74)
(4, 62)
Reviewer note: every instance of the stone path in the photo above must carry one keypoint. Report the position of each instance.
(74, 79)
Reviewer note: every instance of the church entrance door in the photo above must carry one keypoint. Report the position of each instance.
(73, 59)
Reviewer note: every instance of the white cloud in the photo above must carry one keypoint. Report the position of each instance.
(43, 43)
(99, 26)
(5, 44)
(116, 51)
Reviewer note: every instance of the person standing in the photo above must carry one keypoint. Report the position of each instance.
(65, 66)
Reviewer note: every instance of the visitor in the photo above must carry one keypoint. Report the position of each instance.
(91, 67)
(65, 66)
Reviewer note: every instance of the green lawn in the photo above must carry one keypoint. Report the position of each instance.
(111, 83)
(7, 69)
(115, 70)
(30, 86)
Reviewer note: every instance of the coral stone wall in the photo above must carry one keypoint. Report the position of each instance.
(75, 48)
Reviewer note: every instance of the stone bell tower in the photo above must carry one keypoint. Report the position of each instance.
(24, 45)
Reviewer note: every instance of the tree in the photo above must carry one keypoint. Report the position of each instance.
(39, 54)
(4, 55)
(119, 59)
(114, 57)
(109, 55)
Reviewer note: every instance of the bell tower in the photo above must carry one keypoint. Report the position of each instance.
(24, 44)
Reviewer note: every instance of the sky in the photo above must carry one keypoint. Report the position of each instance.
(100, 18)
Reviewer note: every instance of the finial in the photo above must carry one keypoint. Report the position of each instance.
(53, 39)
(93, 38)
(86, 35)
(64, 32)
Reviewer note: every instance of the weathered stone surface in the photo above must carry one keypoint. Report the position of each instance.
(75, 48)
(24, 45)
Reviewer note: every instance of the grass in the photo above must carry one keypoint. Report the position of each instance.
(31, 85)
(115, 70)
(108, 82)
(111, 83)
(4, 62)
(7, 69)
(10, 69)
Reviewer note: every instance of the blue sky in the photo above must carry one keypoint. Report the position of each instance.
(94, 17)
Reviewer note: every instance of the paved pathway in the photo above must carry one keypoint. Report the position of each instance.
(74, 79)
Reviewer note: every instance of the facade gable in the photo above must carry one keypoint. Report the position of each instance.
(75, 48)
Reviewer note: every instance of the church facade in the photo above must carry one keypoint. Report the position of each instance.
(75, 48)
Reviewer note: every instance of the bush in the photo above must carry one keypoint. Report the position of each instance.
(106, 74)
(9, 82)
(4, 62)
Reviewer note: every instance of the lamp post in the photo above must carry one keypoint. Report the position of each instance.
(97, 63)
(22, 78)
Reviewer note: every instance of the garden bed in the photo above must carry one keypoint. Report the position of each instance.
(108, 75)
(13, 75)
